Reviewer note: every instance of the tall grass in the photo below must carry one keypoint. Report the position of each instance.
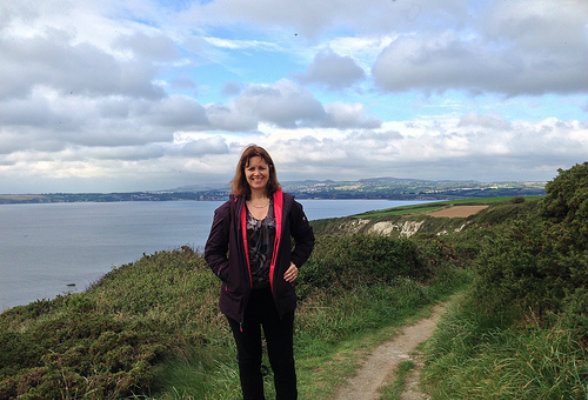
(472, 357)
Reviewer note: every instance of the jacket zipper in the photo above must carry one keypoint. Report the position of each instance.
(244, 256)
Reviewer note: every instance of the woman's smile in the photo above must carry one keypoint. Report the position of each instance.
(257, 173)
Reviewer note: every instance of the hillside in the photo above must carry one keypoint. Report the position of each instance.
(438, 219)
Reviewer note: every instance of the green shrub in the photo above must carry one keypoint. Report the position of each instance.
(360, 259)
(539, 262)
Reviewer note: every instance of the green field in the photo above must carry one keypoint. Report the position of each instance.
(427, 208)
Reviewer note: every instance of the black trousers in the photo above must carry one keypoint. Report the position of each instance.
(279, 334)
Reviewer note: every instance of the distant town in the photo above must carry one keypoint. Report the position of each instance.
(376, 188)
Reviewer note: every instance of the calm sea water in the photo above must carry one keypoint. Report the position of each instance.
(47, 248)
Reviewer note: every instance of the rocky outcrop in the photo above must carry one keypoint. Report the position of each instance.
(404, 229)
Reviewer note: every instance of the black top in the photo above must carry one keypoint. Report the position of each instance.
(260, 243)
(224, 253)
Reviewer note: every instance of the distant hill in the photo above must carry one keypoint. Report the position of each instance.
(410, 189)
(370, 188)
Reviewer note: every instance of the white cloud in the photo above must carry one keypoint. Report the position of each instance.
(150, 47)
(310, 18)
(466, 147)
(284, 104)
(204, 147)
(517, 48)
(364, 49)
(333, 71)
(348, 116)
(177, 112)
(288, 105)
(425, 148)
(50, 60)
(234, 44)
(225, 118)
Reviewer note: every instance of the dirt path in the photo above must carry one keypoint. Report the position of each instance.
(379, 367)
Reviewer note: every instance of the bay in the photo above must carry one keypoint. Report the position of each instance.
(52, 249)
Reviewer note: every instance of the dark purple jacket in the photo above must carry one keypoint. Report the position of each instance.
(227, 255)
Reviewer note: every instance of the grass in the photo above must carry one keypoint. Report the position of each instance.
(470, 358)
(333, 330)
(428, 207)
(394, 390)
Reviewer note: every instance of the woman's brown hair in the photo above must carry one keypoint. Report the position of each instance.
(239, 185)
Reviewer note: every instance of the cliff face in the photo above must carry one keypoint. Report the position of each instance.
(446, 220)
(398, 227)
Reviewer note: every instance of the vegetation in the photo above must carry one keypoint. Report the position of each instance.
(521, 331)
(394, 390)
(152, 328)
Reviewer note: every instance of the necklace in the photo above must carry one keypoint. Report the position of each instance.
(254, 206)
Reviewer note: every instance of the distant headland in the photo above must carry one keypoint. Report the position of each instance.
(374, 188)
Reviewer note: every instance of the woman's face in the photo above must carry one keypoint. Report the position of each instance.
(257, 173)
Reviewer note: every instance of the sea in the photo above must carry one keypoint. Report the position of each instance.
(51, 249)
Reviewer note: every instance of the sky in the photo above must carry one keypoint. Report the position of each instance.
(107, 96)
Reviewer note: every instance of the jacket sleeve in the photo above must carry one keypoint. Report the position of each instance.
(217, 245)
(302, 234)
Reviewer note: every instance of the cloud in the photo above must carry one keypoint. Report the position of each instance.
(333, 71)
(470, 146)
(205, 147)
(284, 104)
(120, 153)
(177, 112)
(288, 105)
(52, 60)
(235, 44)
(472, 120)
(348, 116)
(150, 47)
(519, 48)
(148, 93)
(225, 118)
(439, 149)
(310, 18)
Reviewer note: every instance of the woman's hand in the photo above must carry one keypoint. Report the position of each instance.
(291, 273)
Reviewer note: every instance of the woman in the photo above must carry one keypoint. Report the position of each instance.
(249, 248)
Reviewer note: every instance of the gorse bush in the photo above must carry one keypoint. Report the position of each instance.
(539, 262)
(359, 259)
(74, 354)
(101, 344)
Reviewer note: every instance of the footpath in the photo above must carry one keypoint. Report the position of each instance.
(378, 369)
